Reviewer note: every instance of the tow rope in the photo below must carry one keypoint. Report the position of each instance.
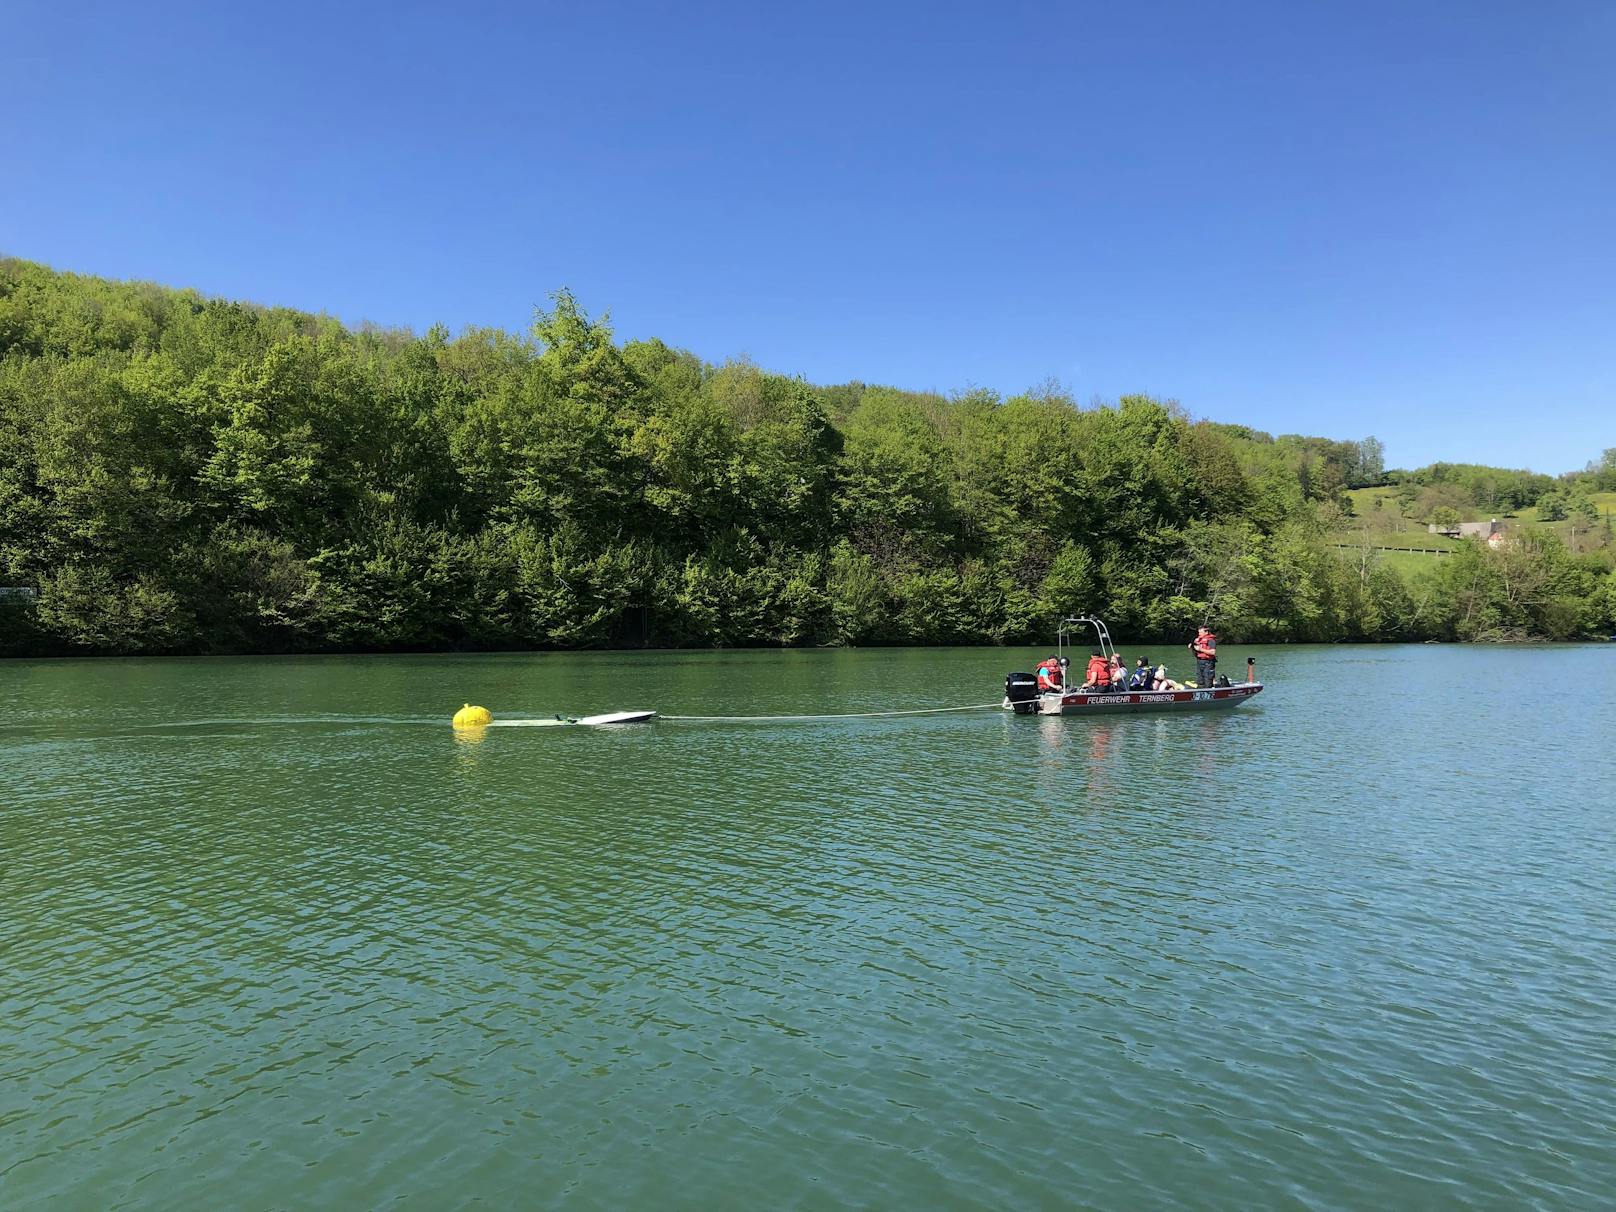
(846, 715)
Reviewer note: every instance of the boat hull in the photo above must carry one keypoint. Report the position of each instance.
(1079, 702)
(616, 717)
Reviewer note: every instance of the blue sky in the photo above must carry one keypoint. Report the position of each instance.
(1335, 218)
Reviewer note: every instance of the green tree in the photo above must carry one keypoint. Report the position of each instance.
(859, 605)
(1603, 470)
(180, 473)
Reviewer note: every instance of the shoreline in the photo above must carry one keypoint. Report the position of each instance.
(1534, 642)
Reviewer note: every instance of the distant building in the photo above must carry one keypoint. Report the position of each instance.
(1491, 530)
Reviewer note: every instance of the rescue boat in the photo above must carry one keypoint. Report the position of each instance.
(1023, 696)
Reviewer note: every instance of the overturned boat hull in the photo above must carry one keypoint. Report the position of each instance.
(616, 717)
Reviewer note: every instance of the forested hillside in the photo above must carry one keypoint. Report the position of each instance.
(186, 474)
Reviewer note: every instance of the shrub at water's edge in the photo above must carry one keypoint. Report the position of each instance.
(183, 474)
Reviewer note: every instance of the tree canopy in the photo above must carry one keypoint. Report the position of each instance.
(187, 474)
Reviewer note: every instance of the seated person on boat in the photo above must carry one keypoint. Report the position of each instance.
(1163, 682)
(1144, 677)
(1099, 673)
(1049, 674)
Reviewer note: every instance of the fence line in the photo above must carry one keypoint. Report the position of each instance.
(1441, 551)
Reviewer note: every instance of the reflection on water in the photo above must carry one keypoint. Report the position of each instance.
(1102, 756)
(319, 950)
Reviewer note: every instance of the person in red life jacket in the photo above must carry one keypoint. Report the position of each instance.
(1049, 674)
(1205, 648)
(1099, 674)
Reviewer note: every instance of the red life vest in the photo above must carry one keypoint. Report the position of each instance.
(1206, 647)
(1099, 671)
(1049, 675)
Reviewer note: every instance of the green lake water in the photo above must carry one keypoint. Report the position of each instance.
(274, 937)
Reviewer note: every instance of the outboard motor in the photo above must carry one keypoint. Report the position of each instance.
(1021, 692)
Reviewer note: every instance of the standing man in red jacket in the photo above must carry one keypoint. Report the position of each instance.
(1205, 648)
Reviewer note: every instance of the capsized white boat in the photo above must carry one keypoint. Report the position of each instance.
(567, 721)
(617, 717)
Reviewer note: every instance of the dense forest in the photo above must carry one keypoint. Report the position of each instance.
(183, 474)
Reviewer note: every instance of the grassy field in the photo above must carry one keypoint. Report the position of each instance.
(1378, 520)
(1363, 499)
(1605, 502)
(1388, 515)
(1408, 540)
(1409, 564)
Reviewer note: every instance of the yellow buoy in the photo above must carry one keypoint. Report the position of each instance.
(473, 717)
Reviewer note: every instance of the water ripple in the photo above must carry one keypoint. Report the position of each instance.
(1350, 946)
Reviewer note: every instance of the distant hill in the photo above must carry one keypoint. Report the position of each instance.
(180, 473)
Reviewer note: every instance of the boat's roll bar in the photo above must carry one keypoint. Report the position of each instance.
(1074, 623)
(1069, 625)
